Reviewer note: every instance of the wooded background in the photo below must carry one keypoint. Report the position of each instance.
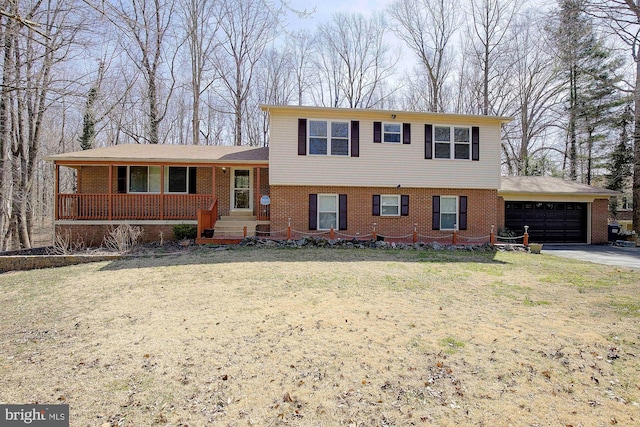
(78, 74)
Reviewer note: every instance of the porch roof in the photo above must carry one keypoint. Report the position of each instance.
(151, 153)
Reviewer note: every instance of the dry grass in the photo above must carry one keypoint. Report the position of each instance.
(316, 337)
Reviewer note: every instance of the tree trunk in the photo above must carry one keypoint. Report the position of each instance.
(636, 147)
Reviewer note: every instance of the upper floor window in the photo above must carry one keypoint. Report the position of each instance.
(328, 138)
(392, 132)
(452, 142)
(626, 203)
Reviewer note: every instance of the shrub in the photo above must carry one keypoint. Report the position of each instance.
(185, 231)
(123, 238)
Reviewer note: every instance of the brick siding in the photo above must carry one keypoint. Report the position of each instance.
(599, 227)
(293, 202)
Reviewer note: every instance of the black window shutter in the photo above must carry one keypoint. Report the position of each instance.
(313, 211)
(435, 219)
(355, 138)
(406, 133)
(404, 205)
(302, 137)
(122, 179)
(462, 220)
(377, 131)
(428, 141)
(192, 180)
(376, 205)
(475, 143)
(342, 208)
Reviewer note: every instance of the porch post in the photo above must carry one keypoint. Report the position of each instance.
(162, 191)
(257, 193)
(56, 190)
(213, 184)
(110, 196)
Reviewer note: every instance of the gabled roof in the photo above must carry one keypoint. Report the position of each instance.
(167, 153)
(547, 185)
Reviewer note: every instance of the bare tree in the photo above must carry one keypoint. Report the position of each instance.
(200, 28)
(30, 87)
(488, 31)
(427, 27)
(301, 47)
(536, 93)
(246, 27)
(145, 25)
(363, 56)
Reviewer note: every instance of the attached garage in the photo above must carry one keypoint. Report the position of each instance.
(555, 210)
(549, 222)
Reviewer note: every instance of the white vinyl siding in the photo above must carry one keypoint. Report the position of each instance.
(380, 165)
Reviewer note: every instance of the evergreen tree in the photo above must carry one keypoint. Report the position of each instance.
(590, 71)
(87, 139)
(621, 158)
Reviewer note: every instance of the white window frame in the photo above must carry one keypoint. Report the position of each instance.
(385, 133)
(389, 197)
(337, 211)
(442, 212)
(452, 142)
(626, 202)
(166, 180)
(329, 137)
(148, 180)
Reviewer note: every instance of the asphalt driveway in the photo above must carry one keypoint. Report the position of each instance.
(604, 254)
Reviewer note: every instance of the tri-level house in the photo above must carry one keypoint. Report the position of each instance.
(349, 173)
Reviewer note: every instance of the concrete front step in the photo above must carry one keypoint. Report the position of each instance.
(234, 228)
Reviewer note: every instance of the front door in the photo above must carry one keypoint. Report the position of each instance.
(241, 191)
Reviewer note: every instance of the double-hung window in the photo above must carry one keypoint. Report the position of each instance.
(327, 211)
(448, 212)
(452, 142)
(390, 205)
(392, 132)
(328, 138)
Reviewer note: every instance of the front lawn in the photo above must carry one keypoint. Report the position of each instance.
(326, 337)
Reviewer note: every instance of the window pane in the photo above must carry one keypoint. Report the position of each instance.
(443, 151)
(177, 179)
(317, 128)
(327, 203)
(392, 127)
(448, 204)
(317, 146)
(447, 221)
(461, 134)
(241, 179)
(326, 220)
(138, 179)
(339, 147)
(340, 129)
(461, 151)
(390, 210)
(442, 133)
(154, 179)
(391, 137)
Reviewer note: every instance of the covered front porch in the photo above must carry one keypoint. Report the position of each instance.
(218, 189)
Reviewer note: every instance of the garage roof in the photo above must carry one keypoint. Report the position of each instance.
(547, 185)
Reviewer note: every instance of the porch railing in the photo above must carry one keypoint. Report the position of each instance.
(131, 206)
(207, 219)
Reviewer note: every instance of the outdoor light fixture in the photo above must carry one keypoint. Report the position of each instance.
(224, 170)
(393, 116)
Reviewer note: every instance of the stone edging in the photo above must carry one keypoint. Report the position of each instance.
(33, 262)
